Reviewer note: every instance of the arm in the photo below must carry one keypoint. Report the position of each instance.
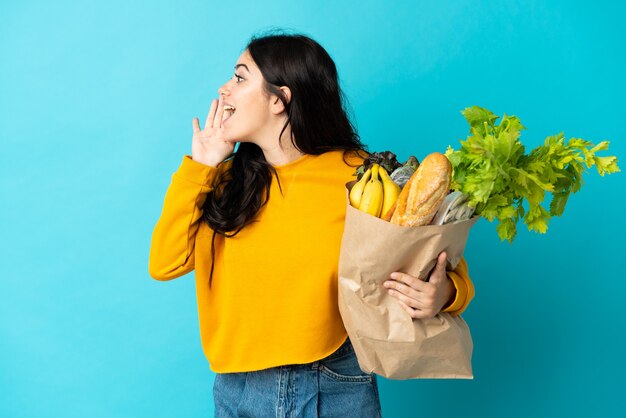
(173, 239)
(174, 236)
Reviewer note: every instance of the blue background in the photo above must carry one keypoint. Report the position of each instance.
(96, 102)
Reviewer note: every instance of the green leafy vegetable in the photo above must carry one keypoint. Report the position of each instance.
(493, 169)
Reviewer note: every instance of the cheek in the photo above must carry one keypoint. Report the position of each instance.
(252, 108)
(250, 118)
(257, 110)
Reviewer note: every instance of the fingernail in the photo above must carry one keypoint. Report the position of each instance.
(394, 275)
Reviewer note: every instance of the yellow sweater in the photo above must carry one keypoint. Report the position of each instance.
(273, 299)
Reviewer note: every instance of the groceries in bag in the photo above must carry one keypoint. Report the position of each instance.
(491, 177)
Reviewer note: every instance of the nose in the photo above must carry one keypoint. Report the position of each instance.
(224, 89)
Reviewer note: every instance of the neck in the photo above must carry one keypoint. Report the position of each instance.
(282, 153)
(281, 156)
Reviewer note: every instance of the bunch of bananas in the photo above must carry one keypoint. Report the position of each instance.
(375, 193)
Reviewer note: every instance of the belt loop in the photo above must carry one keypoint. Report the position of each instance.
(315, 365)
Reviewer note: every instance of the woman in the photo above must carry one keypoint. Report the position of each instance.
(262, 228)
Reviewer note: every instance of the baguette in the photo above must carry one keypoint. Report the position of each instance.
(422, 195)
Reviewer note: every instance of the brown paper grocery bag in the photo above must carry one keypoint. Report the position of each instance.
(386, 340)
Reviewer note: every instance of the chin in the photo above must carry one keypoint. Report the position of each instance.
(232, 137)
(239, 138)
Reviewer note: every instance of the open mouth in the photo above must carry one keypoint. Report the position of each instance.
(229, 110)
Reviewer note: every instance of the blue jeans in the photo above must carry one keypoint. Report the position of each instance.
(332, 387)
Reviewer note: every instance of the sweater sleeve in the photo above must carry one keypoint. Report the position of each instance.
(173, 238)
(464, 289)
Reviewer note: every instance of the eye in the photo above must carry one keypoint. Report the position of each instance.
(238, 78)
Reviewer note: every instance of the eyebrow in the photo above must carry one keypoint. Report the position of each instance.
(242, 65)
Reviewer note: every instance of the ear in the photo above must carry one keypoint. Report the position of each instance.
(277, 106)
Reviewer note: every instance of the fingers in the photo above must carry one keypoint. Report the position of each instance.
(209, 119)
(414, 302)
(400, 279)
(195, 124)
(439, 272)
(217, 121)
(417, 294)
(441, 261)
(417, 313)
(411, 291)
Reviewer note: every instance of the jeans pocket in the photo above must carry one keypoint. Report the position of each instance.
(345, 390)
(343, 366)
(357, 378)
